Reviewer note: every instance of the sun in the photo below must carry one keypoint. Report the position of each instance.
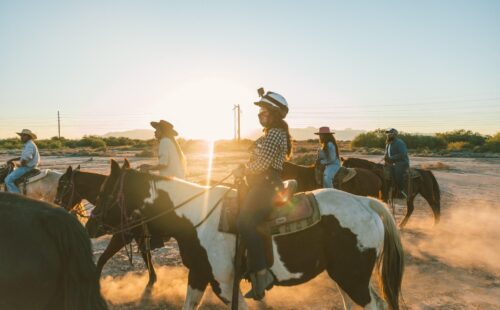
(203, 108)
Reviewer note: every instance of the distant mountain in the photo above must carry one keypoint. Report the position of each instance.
(308, 133)
(141, 134)
(297, 133)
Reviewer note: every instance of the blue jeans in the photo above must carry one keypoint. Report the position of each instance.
(329, 174)
(398, 171)
(13, 176)
(254, 212)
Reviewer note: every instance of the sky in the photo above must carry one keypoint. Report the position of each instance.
(418, 66)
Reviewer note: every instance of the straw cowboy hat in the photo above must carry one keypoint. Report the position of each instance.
(165, 127)
(324, 130)
(27, 132)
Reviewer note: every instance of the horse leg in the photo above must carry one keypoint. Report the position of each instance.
(409, 210)
(196, 289)
(346, 300)
(146, 256)
(376, 302)
(115, 244)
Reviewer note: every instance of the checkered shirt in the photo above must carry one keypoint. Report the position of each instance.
(269, 151)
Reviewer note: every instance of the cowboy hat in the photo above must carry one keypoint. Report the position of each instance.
(391, 130)
(27, 132)
(164, 126)
(324, 130)
(273, 101)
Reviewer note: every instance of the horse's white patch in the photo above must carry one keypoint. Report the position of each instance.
(193, 298)
(43, 186)
(279, 269)
(354, 213)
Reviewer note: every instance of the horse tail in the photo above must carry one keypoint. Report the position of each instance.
(390, 262)
(81, 289)
(436, 193)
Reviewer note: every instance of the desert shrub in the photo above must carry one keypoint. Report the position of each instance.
(462, 135)
(11, 143)
(92, 142)
(371, 139)
(492, 144)
(458, 146)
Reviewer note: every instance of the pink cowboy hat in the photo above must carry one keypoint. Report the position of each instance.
(324, 130)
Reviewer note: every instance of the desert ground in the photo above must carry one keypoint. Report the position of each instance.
(455, 265)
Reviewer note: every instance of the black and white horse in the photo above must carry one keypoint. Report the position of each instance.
(355, 235)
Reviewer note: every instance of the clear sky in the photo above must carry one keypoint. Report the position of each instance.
(419, 66)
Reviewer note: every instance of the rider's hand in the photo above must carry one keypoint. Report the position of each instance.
(145, 167)
(239, 172)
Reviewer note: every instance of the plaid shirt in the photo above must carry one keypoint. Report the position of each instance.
(269, 151)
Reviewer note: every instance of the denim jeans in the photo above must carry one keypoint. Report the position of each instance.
(398, 171)
(329, 174)
(13, 176)
(255, 210)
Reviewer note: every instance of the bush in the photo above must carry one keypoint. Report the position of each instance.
(462, 135)
(372, 139)
(458, 146)
(92, 142)
(492, 144)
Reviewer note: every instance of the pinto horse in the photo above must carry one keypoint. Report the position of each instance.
(354, 236)
(426, 185)
(365, 183)
(76, 185)
(46, 258)
(42, 189)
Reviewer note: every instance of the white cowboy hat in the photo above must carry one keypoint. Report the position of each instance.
(27, 132)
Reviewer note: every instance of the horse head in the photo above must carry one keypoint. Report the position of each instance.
(65, 196)
(5, 170)
(113, 202)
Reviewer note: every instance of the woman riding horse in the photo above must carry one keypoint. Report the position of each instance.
(328, 155)
(263, 177)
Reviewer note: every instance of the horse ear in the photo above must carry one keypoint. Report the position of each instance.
(115, 168)
(126, 164)
(342, 158)
(78, 168)
(69, 170)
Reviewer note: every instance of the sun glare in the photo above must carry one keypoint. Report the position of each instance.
(211, 147)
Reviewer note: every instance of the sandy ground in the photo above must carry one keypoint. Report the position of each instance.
(455, 265)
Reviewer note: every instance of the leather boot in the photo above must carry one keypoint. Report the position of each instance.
(260, 283)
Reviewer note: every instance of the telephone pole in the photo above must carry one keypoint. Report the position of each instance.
(237, 123)
(58, 125)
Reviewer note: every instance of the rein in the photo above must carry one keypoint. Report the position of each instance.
(126, 226)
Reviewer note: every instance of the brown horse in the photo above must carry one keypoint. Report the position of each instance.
(426, 185)
(365, 183)
(74, 186)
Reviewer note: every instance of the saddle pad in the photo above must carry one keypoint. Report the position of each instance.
(297, 214)
(32, 176)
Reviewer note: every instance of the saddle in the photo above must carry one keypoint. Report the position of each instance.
(30, 176)
(292, 213)
(342, 176)
(413, 173)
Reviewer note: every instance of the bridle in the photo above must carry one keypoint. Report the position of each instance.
(139, 220)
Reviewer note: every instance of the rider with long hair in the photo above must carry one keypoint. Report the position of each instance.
(171, 159)
(328, 155)
(263, 175)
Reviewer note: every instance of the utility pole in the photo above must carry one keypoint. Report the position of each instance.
(237, 125)
(58, 125)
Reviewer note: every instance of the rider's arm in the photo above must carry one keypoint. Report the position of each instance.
(13, 159)
(332, 153)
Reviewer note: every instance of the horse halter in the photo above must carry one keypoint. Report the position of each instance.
(69, 186)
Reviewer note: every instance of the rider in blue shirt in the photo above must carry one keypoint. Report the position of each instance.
(328, 155)
(396, 156)
(30, 158)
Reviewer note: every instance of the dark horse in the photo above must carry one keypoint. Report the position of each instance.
(76, 185)
(355, 236)
(365, 183)
(425, 185)
(45, 259)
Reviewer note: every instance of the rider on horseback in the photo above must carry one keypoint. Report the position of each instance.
(171, 159)
(328, 155)
(30, 158)
(396, 157)
(263, 175)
